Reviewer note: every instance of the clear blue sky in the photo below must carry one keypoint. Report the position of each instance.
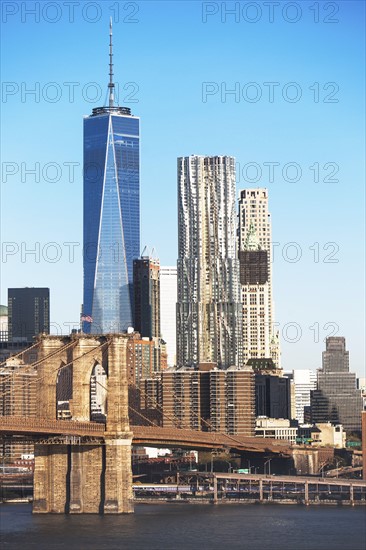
(168, 52)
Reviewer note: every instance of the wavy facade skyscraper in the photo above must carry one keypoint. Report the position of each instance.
(111, 214)
(208, 309)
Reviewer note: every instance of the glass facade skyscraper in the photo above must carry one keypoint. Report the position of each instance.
(111, 215)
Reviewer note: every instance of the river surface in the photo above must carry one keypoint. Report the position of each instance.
(189, 527)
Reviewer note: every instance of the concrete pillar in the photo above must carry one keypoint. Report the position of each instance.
(261, 490)
(306, 493)
(215, 490)
(351, 495)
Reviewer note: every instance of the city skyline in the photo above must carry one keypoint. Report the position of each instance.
(319, 280)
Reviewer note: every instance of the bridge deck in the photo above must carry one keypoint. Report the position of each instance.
(144, 435)
(19, 425)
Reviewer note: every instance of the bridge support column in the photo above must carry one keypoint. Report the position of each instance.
(306, 493)
(118, 475)
(261, 490)
(50, 479)
(40, 480)
(215, 490)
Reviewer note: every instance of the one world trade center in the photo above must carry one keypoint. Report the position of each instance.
(111, 214)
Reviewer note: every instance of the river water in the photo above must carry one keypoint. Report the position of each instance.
(189, 527)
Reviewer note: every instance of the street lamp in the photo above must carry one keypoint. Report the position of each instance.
(230, 467)
(337, 461)
(321, 469)
(269, 466)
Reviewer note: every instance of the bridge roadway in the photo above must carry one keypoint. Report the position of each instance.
(276, 479)
(147, 436)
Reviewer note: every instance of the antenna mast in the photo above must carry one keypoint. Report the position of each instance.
(111, 83)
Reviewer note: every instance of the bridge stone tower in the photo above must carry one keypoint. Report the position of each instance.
(82, 476)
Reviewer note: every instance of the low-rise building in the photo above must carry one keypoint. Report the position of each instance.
(328, 435)
(277, 428)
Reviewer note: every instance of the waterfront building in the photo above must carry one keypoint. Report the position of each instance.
(111, 214)
(168, 305)
(28, 313)
(336, 398)
(260, 340)
(208, 307)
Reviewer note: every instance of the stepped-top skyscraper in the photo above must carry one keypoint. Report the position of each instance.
(111, 213)
(336, 398)
(208, 309)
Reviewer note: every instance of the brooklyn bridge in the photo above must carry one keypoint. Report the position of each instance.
(83, 466)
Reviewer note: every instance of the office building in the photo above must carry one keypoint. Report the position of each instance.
(336, 398)
(272, 396)
(232, 401)
(260, 340)
(181, 399)
(304, 382)
(28, 313)
(215, 400)
(146, 281)
(208, 308)
(168, 305)
(111, 214)
(4, 333)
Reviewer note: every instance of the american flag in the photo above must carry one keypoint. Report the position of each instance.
(87, 318)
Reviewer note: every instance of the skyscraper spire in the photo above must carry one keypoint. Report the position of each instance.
(111, 83)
